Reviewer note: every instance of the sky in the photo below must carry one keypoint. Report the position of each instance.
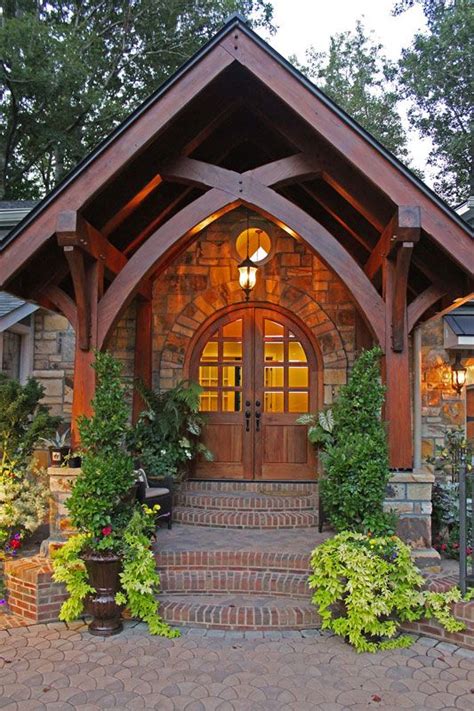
(302, 23)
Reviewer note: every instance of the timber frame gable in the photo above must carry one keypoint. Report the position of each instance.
(237, 125)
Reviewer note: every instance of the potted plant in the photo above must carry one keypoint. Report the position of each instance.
(108, 564)
(166, 437)
(59, 447)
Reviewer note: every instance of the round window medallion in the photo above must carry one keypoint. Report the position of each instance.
(254, 243)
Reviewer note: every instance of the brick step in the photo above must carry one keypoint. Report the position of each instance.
(244, 519)
(245, 501)
(238, 612)
(259, 560)
(244, 582)
(272, 488)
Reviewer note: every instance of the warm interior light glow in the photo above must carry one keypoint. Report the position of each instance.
(247, 275)
(458, 374)
(255, 243)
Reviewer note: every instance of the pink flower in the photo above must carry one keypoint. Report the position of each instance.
(443, 546)
(107, 530)
(455, 545)
(469, 550)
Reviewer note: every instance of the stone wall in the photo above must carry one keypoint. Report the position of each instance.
(204, 279)
(53, 360)
(442, 407)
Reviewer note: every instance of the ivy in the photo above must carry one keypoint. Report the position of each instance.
(69, 568)
(365, 587)
(139, 578)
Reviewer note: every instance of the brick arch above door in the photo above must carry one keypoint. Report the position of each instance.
(334, 343)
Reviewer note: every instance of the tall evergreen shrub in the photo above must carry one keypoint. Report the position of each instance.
(355, 455)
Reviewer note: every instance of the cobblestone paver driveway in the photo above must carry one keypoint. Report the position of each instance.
(58, 668)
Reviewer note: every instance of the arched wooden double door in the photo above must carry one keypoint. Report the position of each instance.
(258, 370)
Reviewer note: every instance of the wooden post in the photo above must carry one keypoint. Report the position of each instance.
(84, 374)
(397, 381)
(143, 352)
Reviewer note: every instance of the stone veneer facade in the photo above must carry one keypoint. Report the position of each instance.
(204, 280)
(441, 406)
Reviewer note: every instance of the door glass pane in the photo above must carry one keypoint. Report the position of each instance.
(232, 350)
(208, 375)
(231, 401)
(273, 402)
(298, 402)
(296, 352)
(274, 377)
(231, 375)
(233, 329)
(298, 377)
(273, 329)
(273, 352)
(210, 351)
(209, 401)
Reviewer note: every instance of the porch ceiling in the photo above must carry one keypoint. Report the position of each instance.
(235, 120)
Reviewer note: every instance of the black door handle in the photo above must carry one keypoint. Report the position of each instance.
(248, 414)
(257, 420)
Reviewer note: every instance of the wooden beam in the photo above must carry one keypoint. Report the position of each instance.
(75, 259)
(336, 216)
(84, 374)
(143, 353)
(399, 299)
(72, 230)
(233, 189)
(286, 170)
(113, 157)
(355, 148)
(422, 303)
(63, 302)
(405, 226)
(130, 206)
(396, 372)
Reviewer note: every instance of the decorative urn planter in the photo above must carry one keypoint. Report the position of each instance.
(104, 570)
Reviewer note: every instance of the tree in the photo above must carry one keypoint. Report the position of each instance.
(436, 75)
(71, 71)
(360, 79)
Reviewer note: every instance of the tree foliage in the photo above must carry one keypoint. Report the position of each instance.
(436, 75)
(360, 79)
(71, 71)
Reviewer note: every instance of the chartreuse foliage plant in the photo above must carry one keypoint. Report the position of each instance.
(140, 581)
(103, 512)
(365, 586)
(354, 451)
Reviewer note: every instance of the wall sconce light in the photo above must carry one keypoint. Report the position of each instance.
(247, 269)
(458, 374)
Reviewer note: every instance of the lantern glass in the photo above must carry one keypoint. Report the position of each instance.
(458, 374)
(247, 275)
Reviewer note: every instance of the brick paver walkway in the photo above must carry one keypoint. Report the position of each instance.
(54, 667)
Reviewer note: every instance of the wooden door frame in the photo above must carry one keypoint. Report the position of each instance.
(230, 313)
(231, 310)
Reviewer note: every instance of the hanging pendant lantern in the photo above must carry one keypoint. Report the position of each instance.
(247, 269)
(458, 374)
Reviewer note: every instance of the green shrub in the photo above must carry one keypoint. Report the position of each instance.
(354, 452)
(166, 437)
(364, 587)
(98, 503)
(23, 493)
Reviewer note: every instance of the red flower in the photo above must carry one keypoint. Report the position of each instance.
(14, 543)
(107, 530)
(443, 546)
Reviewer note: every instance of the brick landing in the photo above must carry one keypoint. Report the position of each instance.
(237, 579)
